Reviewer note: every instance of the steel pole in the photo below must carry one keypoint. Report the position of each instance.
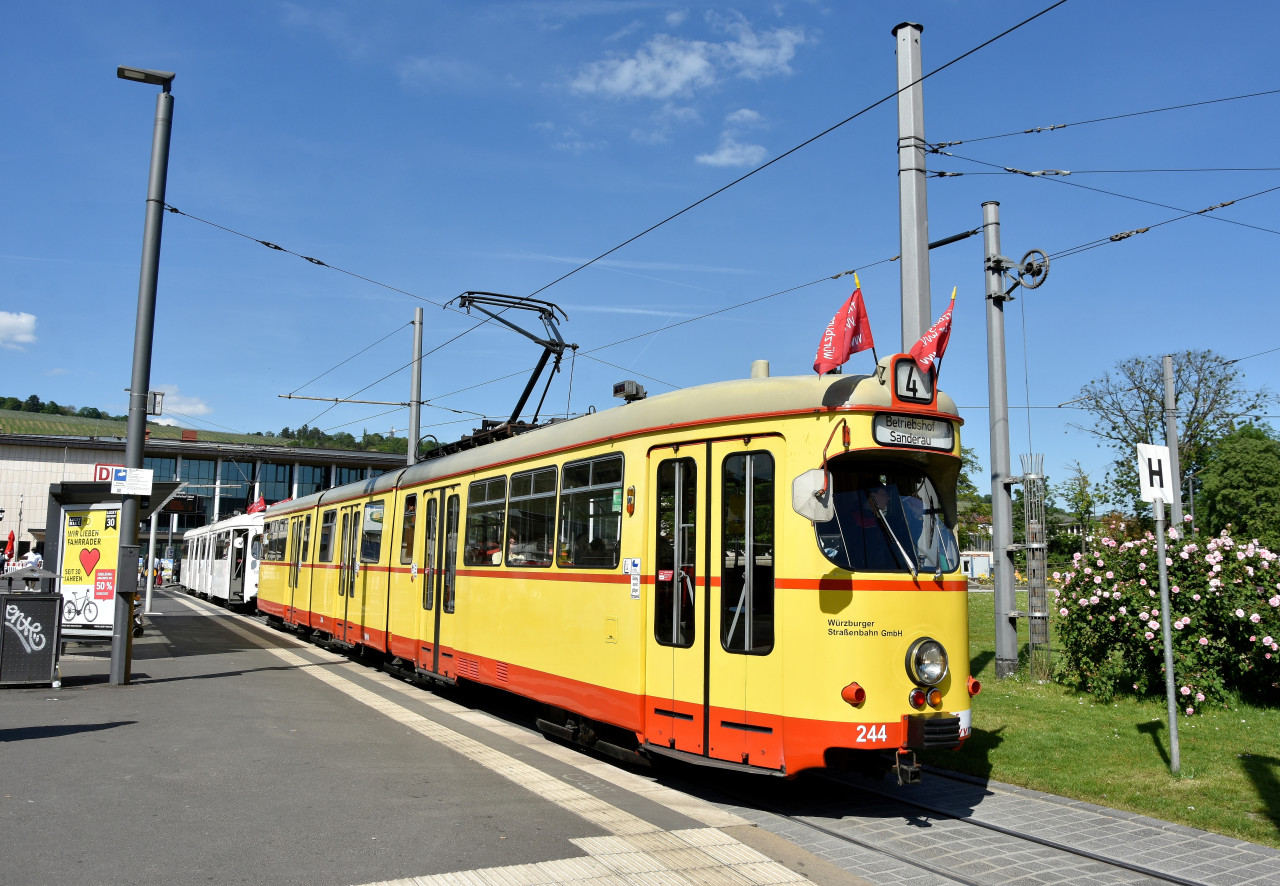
(1171, 440)
(913, 210)
(1166, 615)
(135, 441)
(415, 389)
(998, 409)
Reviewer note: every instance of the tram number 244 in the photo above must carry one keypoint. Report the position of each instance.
(870, 732)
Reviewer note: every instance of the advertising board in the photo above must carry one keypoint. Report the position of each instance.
(89, 569)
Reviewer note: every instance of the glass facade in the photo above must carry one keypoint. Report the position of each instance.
(164, 468)
(311, 479)
(235, 490)
(199, 474)
(275, 482)
(343, 476)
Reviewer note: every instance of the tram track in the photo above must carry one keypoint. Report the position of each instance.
(821, 804)
(1031, 838)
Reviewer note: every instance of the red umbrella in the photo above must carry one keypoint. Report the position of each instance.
(8, 549)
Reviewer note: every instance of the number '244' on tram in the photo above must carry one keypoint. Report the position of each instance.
(759, 573)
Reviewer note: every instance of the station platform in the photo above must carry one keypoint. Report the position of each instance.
(239, 754)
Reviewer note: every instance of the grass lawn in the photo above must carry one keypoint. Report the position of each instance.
(1049, 738)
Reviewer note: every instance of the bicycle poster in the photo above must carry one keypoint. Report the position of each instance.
(90, 555)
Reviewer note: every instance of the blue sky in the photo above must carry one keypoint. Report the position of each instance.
(442, 147)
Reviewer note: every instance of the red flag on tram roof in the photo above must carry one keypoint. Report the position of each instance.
(848, 332)
(8, 549)
(259, 505)
(933, 344)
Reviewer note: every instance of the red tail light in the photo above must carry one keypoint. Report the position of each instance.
(917, 698)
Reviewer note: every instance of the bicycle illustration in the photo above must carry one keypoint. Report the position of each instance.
(80, 604)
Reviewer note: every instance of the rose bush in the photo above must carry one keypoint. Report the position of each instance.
(1225, 601)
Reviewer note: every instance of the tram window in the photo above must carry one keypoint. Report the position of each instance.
(276, 537)
(486, 501)
(255, 547)
(306, 538)
(531, 519)
(747, 568)
(371, 532)
(450, 553)
(186, 550)
(429, 574)
(325, 551)
(407, 526)
(223, 545)
(590, 514)
(676, 569)
(888, 518)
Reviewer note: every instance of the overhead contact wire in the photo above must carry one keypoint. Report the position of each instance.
(1056, 126)
(803, 144)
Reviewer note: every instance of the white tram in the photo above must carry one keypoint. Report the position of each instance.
(220, 561)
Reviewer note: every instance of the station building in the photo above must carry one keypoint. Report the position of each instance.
(224, 472)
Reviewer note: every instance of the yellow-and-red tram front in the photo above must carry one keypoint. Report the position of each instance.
(756, 573)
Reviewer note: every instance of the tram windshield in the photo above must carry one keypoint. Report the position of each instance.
(888, 518)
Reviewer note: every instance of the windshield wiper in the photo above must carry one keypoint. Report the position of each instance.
(910, 561)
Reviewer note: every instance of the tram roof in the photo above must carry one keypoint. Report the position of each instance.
(702, 405)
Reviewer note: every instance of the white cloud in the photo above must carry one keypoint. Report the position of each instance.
(175, 402)
(733, 153)
(676, 17)
(17, 330)
(664, 67)
(743, 117)
(664, 120)
(756, 56)
(668, 66)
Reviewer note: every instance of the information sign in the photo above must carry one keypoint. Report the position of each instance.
(913, 430)
(131, 481)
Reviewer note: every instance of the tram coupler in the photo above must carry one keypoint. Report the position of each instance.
(906, 767)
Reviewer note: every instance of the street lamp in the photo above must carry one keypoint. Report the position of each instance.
(135, 440)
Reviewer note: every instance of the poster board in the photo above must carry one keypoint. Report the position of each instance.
(89, 569)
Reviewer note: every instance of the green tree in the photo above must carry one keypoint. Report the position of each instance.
(973, 516)
(1127, 407)
(1240, 487)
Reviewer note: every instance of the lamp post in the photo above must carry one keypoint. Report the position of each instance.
(135, 440)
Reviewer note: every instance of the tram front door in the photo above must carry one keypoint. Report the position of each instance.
(713, 682)
(675, 666)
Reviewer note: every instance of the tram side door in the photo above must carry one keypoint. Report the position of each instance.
(675, 663)
(350, 582)
(239, 550)
(744, 670)
(440, 531)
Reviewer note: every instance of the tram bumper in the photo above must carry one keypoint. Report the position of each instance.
(927, 731)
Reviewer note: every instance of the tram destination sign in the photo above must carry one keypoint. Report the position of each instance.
(913, 430)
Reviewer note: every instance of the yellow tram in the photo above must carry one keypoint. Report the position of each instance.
(758, 573)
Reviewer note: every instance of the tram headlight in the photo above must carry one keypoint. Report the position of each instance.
(926, 662)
